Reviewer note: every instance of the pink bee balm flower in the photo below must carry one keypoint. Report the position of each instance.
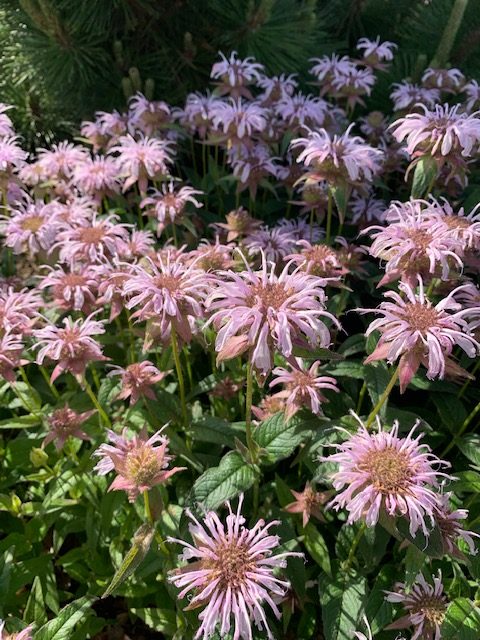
(268, 407)
(346, 158)
(137, 380)
(406, 95)
(238, 119)
(319, 260)
(376, 53)
(97, 177)
(25, 634)
(449, 523)
(426, 606)
(19, 310)
(381, 472)
(446, 80)
(142, 159)
(6, 125)
(169, 203)
(416, 332)
(264, 313)
(12, 156)
(472, 89)
(64, 423)
(236, 74)
(276, 87)
(302, 387)
(138, 245)
(239, 223)
(308, 503)
(303, 111)
(167, 292)
(32, 227)
(274, 243)
(140, 464)
(11, 348)
(232, 574)
(72, 345)
(72, 289)
(149, 116)
(61, 159)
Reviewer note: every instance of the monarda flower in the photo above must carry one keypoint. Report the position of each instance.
(140, 462)
(233, 574)
(148, 116)
(239, 120)
(32, 227)
(303, 112)
(141, 160)
(11, 348)
(381, 472)
(268, 407)
(168, 293)
(426, 605)
(302, 387)
(376, 53)
(235, 75)
(25, 634)
(274, 244)
(137, 380)
(60, 160)
(168, 204)
(71, 346)
(97, 177)
(265, 313)
(445, 80)
(72, 289)
(308, 503)
(19, 310)
(239, 223)
(406, 95)
(275, 88)
(65, 423)
(344, 158)
(6, 125)
(472, 89)
(415, 332)
(450, 525)
(319, 260)
(12, 156)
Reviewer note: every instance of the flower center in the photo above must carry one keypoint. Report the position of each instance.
(420, 238)
(74, 280)
(420, 317)
(230, 564)
(456, 222)
(171, 283)
(388, 468)
(433, 608)
(268, 296)
(91, 235)
(32, 223)
(142, 466)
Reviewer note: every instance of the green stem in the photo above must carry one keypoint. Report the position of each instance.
(181, 381)
(383, 398)
(51, 386)
(361, 396)
(462, 430)
(329, 215)
(148, 510)
(354, 547)
(25, 402)
(96, 404)
(431, 287)
(473, 372)
(248, 409)
(449, 34)
(174, 235)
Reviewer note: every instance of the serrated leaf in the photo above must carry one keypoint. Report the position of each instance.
(462, 621)
(348, 369)
(451, 410)
(378, 611)
(470, 447)
(160, 620)
(20, 422)
(279, 438)
(139, 549)
(424, 174)
(61, 627)
(217, 431)
(317, 547)
(342, 598)
(218, 484)
(467, 481)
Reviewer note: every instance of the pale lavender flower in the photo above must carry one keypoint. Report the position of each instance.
(374, 126)
(212, 257)
(235, 75)
(302, 386)
(198, 112)
(276, 88)
(239, 224)
(94, 134)
(25, 634)
(351, 84)
(168, 293)
(238, 119)
(65, 423)
(74, 209)
(73, 288)
(426, 606)
(168, 204)
(301, 229)
(464, 229)
(71, 346)
(32, 174)
(97, 177)
(472, 89)
(232, 574)
(137, 380)
(252, 166)
(303, 111)
(60, 160)
(326, 67)
(92, 240)
(149, 116)
(416, 332)
(138, 245)
(274, 243)
(12, 156)
(6, 125)
(142, 159)
(11, 348)
(19, 310)
(264, 313)
(140, 463)
(346, 157)
(113, 124)
(445, 80)
(367, 208)
(381, 472)
(376, 53)
(449, 523)
(31, 227)
(406, 95)
(319, 260)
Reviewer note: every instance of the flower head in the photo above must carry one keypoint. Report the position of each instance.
(406, 95)
(446, 80)
(235, 74)
(11, 347)
(25, 634)
(138, 462)
(168, 204)
(232, 574)
(426, 606)
(239, 223)
(61, 159)
(416, 332)
(449, 523)
(72, 289)
(376, 53)
(32, 227)
(148, 116)
(275, 243)
(382, 472)
(302, 386)
(64, 423)
(308, 503)
(98, 177)
(319, 260)
(137, 380)
(6, 125)
(264, 313)
(71, 346)
(12, 156)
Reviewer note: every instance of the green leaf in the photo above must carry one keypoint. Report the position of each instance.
(61, 627)
(341, 195)
(431, 545)
(217, 431)
(160, 620)
(316, 354)
(342, 597)
(462, 621)
(378, 611)
(139, 549)
(218, 484)
(467, 481)
(20, 422)
(317, 547)
(280, 438)
(470, 447)
(377, 378)
(352, 345)
(348, 369)
(6, 563)
(451, 410)
(425, 173)
(414, 561)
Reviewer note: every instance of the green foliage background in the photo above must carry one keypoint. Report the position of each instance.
(61, 60)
